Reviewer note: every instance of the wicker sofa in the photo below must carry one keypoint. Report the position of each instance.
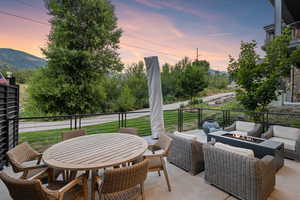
(186, 154)
(248, 128)
(290, 137)
(247, 178)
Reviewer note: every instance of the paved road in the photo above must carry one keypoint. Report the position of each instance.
(41, 126)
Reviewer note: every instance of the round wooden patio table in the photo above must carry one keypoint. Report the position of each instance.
(93, 152)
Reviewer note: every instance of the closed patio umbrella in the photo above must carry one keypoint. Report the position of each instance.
(155, 96)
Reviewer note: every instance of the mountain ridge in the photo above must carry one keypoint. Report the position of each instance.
(17, 59)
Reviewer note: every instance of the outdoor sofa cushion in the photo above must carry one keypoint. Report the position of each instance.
(288, 144)
(244, 126)
(286, 132)
(237, 150)
(186, 136)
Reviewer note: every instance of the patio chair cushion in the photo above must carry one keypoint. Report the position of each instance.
(244, 126)
(286, 132)
(237, 150)
(186, 136)
(288, 144)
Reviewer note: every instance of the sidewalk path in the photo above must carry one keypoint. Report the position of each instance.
(31, 126)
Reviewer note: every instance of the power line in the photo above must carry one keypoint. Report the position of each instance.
(43, 23)
(146, 49)
(24, 18)
(146, 40)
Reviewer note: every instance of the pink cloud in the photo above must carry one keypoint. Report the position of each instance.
(149, 3)
(152, 33)
(24, 35)
(179, 6)
(156, 34)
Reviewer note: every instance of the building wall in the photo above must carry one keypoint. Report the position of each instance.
(296, 97)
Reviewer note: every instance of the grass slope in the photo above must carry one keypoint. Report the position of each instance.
(19, 59)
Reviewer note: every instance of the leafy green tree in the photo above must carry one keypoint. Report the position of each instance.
(113, 87)
(259, 80)
(295, 57)
(126, 100)
(194, 80)
(218, 80)
(177, 73)
(67, 96)
(202, 63)
(277, 59)
(169, 83)
(249, 75)
(82, 47)
(136, 80)
(21, 75)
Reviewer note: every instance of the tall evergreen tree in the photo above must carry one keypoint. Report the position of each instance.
(195, 78)
(82, 48)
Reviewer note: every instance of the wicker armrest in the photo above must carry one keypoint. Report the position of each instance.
(197, 157)
(34, 167)
(79, 180)
(268, 134)
(41, 174)
(268, 162)
(152, 156)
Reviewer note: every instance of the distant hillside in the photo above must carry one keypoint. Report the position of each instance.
(212, 71)
(19, 59)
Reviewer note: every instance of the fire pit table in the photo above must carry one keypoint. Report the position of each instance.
(261, 147)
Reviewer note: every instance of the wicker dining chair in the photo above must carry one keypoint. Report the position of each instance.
(66, 135)
(72, 134)
(19, 158)
(157, 162)
(33, 188)
(131, 131)
(123, 183)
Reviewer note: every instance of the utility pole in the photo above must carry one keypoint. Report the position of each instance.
(197, 55)
(278, 17)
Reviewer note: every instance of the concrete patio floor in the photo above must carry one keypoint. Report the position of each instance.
(188, 187)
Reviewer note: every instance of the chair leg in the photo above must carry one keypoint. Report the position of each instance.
(24, 175)
(85, 188)
(167, 178)
(73, 175)
(64, 175)
(51, 175)
(87, 172)
(142, 191)
(94, 190)
(158, 173)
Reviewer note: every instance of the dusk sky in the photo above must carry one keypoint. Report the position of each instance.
(170, 29)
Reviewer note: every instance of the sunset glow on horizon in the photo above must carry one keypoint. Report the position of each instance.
(170, 29)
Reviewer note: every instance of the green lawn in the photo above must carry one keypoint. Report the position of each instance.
(42, 139)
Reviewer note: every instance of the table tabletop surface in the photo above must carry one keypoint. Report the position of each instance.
(95, 151)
